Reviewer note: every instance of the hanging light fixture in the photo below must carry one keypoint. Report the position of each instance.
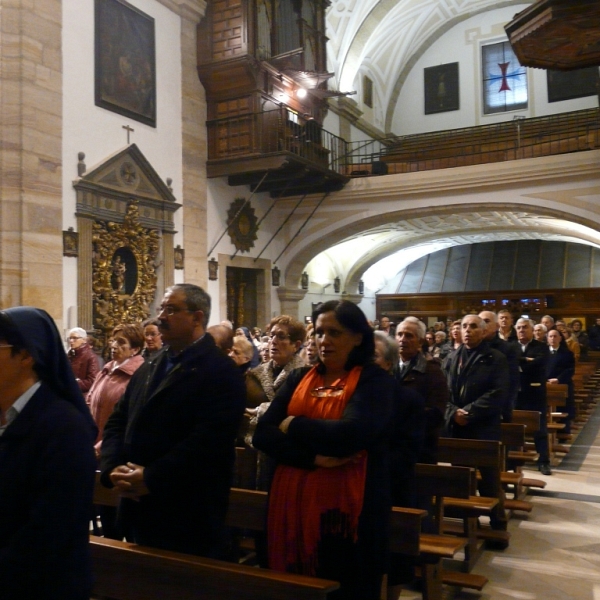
(361, 287)
(275, 276)
(336, 285)
(213, 269)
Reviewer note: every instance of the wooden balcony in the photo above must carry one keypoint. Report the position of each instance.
(276, 151)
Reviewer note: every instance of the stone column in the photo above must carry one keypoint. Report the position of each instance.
(85, 305)
(195, 151)
(31, 155)
(289, 299)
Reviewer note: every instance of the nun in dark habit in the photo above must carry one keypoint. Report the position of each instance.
(47, 464)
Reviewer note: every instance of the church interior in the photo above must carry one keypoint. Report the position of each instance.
(422, 157)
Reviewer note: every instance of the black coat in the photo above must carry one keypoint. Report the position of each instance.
(532, 395)
(480, 388)
(510, 351)
(47, 468)
(183, 433)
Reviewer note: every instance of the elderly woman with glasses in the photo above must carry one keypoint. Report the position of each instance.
(328, 428)
(286, 336)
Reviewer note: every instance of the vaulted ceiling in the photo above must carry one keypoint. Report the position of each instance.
(385, 38)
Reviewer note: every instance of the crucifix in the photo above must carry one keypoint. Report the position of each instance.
(129, 130)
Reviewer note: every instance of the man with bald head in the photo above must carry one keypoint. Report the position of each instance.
(497, 343)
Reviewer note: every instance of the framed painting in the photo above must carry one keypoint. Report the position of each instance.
(125, 61)
(441, 88)
(566, 85)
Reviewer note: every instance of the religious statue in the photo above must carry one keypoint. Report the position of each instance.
(118, 274)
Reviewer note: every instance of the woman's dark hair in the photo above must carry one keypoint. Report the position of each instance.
(351, 317)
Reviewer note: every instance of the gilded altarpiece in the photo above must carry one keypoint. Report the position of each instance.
(126, 251)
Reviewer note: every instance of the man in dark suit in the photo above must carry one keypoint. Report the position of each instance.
(497, 343)
(533, 358)
(425, 376)
(169, 444)
(560, 369)
(479, 382)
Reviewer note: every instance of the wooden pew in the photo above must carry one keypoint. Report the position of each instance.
(124, 571)
(556, 395)
(247, 510)
(476, 454)
(513, 440)
(531, 420)
(444, 484)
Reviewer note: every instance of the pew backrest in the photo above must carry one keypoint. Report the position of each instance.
(125, 571)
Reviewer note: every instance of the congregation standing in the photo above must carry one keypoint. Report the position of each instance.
(338, 405)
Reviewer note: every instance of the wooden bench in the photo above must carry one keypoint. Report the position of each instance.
(446, 483)
(531, 420)
(513, 440)
(556, 396)
(124, 571)
(247, 510)
(476, 454)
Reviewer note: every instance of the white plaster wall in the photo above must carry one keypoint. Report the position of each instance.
(220, 197)
(98, 132)
(462, 44)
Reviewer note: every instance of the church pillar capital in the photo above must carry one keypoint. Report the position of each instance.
(356, 298)
(289, 299)
(192, 10)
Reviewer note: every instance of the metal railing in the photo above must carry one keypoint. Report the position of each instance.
(274, 132)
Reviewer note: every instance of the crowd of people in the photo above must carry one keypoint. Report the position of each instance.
(337, 413)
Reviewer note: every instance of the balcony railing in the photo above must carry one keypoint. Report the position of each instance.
(254, 135)
(280, 131)
(511, 140)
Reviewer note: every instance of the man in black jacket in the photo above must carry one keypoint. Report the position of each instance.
(533, 358)
(169, 444)
(497, 343)
(479, 380)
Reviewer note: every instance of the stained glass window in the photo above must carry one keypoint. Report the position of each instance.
(504, 79)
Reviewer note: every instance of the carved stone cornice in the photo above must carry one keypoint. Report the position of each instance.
(356, 298)
(105, 192)
(346, 108)
(191, 10)
(291, 294)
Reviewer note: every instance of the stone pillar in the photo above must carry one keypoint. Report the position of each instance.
(289, 299)
(168, 262)
(195, 151)
(31, 155)
(85, 307)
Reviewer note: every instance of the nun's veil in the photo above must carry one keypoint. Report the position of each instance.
(34, 330)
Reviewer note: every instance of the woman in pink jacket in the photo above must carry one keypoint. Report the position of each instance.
(126, 346)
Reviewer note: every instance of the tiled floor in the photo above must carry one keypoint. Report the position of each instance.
(554, 551)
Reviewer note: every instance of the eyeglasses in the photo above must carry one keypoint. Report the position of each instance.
(6, 346)
(73, 338)
(327, 391)
(280, 336)
(171, 310)
(153, 335)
